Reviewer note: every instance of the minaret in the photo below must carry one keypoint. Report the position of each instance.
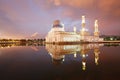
(96, 31)
(75, 54)
(83, 23)
(74, 29)
(83, 28)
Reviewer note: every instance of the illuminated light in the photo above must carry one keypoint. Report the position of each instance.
(8, 46)
(96, 26)
(96, 61)
(83, 68)
(63, 60)
(83, 29)
(96, 52)
(83, 19)
(62, 24)
(96, 23)
(50, 54)
(74, 28)
(83, 65)
(111, 39)
(75, 55)
(83, 55)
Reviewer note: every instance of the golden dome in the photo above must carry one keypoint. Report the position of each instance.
(57, 23)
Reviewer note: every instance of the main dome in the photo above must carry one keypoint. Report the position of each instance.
(57, 23)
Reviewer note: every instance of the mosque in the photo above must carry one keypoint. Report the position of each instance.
(58, 35)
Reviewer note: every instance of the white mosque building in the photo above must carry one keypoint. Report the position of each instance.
(58, 35)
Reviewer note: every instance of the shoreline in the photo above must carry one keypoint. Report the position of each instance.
(62, 42)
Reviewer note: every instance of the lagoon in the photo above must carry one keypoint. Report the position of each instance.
(60, 62)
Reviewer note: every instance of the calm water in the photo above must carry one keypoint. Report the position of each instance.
(60, 62)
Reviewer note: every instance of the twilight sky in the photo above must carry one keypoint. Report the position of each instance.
(25, 18)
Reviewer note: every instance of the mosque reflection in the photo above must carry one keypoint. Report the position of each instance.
(58, 52)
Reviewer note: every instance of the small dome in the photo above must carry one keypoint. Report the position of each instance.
(57, 23)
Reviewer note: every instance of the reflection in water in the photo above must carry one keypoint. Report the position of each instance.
(96, 52)
(69, 62)
(34, 46)
(58, 52)
(7, 45)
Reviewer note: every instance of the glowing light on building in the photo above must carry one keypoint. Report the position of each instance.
(74, 29)
(83, 23)
(83, 65)
(75, 55)
(83, 56)
(58, 35)
(96, 31)
(96, 25)
(83, 19)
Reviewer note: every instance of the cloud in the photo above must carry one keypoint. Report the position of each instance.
(24, 17)
(35, 34)
(110, 8)
(57, 2)
(73, 3)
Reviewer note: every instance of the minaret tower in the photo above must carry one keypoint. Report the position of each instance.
(74, 29)
(83, 28)
(96, 31)
(83, 23)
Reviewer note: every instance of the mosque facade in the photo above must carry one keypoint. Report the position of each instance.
(58, 34)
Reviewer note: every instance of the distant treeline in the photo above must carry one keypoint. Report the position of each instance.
(110, 37)
(21, 40)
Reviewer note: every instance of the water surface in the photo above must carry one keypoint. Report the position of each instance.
(60, 62)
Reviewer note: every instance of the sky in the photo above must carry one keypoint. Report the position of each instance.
(31, 18)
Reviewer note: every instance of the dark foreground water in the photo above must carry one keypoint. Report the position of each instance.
(60, 62)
